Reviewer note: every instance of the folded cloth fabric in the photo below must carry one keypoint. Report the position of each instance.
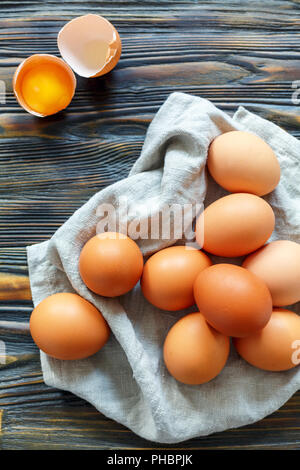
(127, 380)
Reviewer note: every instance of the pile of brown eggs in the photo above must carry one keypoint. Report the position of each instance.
(241, 302)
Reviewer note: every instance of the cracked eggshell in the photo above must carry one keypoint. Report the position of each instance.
(90, 44)
(37, 61)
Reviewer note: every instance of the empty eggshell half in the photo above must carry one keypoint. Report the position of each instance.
(90, 44)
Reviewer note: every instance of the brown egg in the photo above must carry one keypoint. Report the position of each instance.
(233, 302)
(194, 353)
(110, 264)
(235, 225)
(278, 264)
(242, 162)
(66, 326)
(277, 346)
(90, 44)
(169, 276)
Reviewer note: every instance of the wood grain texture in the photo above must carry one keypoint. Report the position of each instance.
(14, 287)
(233, 53)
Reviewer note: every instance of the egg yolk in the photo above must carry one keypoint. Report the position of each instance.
(47, 89)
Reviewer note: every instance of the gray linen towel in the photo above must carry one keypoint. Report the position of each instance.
(127, 379)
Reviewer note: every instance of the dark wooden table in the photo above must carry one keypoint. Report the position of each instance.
(241, 52)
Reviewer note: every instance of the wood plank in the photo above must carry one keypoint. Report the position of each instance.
(14, 287)
(267, 15)
(25, 427)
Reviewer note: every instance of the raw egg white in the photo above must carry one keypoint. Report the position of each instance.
(195, 353)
